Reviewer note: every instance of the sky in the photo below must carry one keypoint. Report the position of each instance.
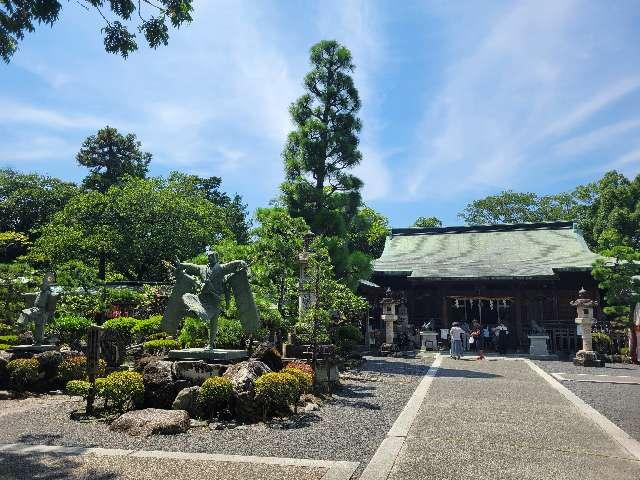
(459, 99)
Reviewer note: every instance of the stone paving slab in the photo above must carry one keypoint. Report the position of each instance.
(594, 378)
(94, 467)
(501, 420)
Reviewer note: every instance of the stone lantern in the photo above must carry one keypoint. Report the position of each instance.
(584, 308)
(389, 315)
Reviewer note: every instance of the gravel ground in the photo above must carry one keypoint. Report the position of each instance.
(618, 402)
(350, 427)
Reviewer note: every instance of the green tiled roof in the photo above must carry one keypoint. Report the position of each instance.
(486, 251)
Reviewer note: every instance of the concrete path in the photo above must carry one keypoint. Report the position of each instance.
(502, 420)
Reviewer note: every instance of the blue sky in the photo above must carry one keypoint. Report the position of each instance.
(460, 99)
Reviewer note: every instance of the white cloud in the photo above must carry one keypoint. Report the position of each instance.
(595, 138)
(20, 113)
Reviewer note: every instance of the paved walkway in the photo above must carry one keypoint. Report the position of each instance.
(502, 420)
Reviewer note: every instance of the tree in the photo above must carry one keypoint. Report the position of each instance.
(368, 231)
(609, 211)
(518, 207)
(131, 229)
(620, 283)
(28, 200)
(427, 222)
(110, 158)
(324, 146)
(235, 210)
(18, 17)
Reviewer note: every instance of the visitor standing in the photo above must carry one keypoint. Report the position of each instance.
(474, 338)
(486, 337)
(502, 333)
(456, 334)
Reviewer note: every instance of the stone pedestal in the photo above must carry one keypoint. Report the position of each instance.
(587, 359)
(428, 341)
(30, 349)
(389, 334)
(538, 345)
(208, 355)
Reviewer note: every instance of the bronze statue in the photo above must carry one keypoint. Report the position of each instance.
(217, 279)
(42, 310)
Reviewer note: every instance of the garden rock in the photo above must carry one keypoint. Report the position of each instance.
(49, 362)
(269, 355)
(243, 376)
(5, 358)
(160, 386)
(195, 371)
(187, 399)
(152, 421)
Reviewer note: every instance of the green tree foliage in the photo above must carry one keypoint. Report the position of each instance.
(12, 244)
(28, 200)
(427, 222)
(235, 211)
(324, 145)
(111, 157)
(133, 227)
(368, 231)
(16, 279)
(519, 207)
(18, 17)
(620, 283)
(609, 214)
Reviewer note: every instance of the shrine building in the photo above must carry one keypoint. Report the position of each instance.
(525, 275)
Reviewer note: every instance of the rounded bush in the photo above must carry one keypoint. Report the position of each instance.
(75, 368)
(601, 342)
(215, 394)
(9, 339)
(78, 388)
(159, 346)
(23, 372)
(305, 380)
(123, 390)
(143, 329)
(4, 346)
(123, 326)
(5, 329)
(276, 390)
(300, 365)
(70, 329)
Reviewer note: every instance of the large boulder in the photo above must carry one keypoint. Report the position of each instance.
(269, 355)
(151, 421)
(243, 376)
(160, 385)
(195, 371)
(187, 399)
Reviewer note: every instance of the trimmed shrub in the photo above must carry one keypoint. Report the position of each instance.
(69, 329)
(75, 368)
(624, 351)
(5, 329)
(123, 390)
(194, 333)
(601, 342)
(144, 329)
(347, 337)
(79, 388)
(215, 394)
(23, 372)
(305, 380)
(123, 326)
(156, 347)
(158, 336)
(4, 346)
(276, 390)
(300, 365)
(9, 339)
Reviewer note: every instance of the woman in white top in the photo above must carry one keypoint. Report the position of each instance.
(456, 340)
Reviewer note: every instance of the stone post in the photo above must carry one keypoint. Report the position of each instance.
(389, 316)
(305, 297)
(93, 355)
(584, 307)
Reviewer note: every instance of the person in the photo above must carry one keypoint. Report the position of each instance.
(502, 333)
(486, 337)
(474, 338)
(456, 340)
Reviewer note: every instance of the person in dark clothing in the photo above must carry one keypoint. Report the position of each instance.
(503, 335)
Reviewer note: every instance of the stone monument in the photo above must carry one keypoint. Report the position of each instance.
(217, 280)
(538, 341)
(306, 297)
(42, 312)
(428, 338)
(586, 357)
(389, 317)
